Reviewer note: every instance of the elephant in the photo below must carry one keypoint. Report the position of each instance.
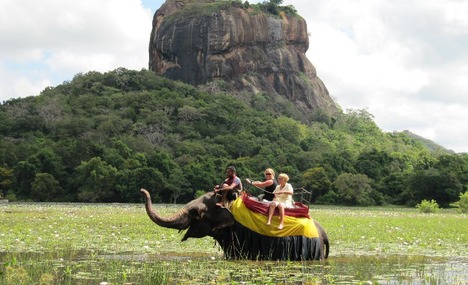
(201, 217)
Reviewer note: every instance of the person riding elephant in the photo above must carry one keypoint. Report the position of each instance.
(230, 188)
(268, 185)
(202, 217)
(283, 199)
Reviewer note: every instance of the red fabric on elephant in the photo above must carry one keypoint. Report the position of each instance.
(299, 211)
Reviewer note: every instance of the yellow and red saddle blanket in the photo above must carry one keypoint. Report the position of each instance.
(253, 214)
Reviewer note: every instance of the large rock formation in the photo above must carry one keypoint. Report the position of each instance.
(198, 42)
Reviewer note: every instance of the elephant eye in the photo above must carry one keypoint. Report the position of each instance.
(193, 213)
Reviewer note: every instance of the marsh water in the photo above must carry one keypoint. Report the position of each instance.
(336, 270)
(117, 244)
(199, 268)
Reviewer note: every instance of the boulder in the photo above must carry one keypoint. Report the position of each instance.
(251, 50)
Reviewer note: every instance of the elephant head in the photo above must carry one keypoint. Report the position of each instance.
(200, 217)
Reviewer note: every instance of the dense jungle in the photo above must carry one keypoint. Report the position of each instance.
(102, 136)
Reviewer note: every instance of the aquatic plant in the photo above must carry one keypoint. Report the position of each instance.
(44, 243)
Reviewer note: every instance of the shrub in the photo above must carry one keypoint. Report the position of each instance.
(199, 193)
(428, 206)
(462, 204)
(11, 197)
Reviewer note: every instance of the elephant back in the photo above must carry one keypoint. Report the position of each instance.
(251, 238)
(255, 220)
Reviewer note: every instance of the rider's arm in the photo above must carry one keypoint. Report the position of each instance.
(233, 185)
(263, 184)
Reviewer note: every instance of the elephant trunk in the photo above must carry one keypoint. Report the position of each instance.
(180, 220)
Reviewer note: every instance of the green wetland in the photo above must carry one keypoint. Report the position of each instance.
(44, 243)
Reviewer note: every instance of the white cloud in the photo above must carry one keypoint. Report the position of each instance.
(13, 83)
(404, 61)
(49, 41)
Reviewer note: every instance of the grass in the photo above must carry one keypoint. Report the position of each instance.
(118, 244)
(395, 231)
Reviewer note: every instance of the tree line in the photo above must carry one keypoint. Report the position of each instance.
(102, 136)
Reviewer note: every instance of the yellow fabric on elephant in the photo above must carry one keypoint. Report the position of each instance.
(257, 223)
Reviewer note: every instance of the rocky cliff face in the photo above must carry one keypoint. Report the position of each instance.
(198, 42)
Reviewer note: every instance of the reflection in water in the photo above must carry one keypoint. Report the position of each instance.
(336, 270)
(399, 269)
(200, 268)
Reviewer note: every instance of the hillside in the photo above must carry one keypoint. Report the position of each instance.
(426, 142)
(103, 136)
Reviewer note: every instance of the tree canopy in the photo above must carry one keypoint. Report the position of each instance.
(102, 136)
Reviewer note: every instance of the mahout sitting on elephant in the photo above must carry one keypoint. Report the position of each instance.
(201, 217)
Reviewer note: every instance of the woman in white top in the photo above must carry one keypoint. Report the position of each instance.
(283, 199)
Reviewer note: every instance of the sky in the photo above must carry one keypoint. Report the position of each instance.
(405, 62)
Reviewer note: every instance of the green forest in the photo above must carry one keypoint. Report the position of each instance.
(102, 136)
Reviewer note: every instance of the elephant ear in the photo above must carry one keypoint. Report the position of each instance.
(223, 219)
(197, 212)
(199, 225)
